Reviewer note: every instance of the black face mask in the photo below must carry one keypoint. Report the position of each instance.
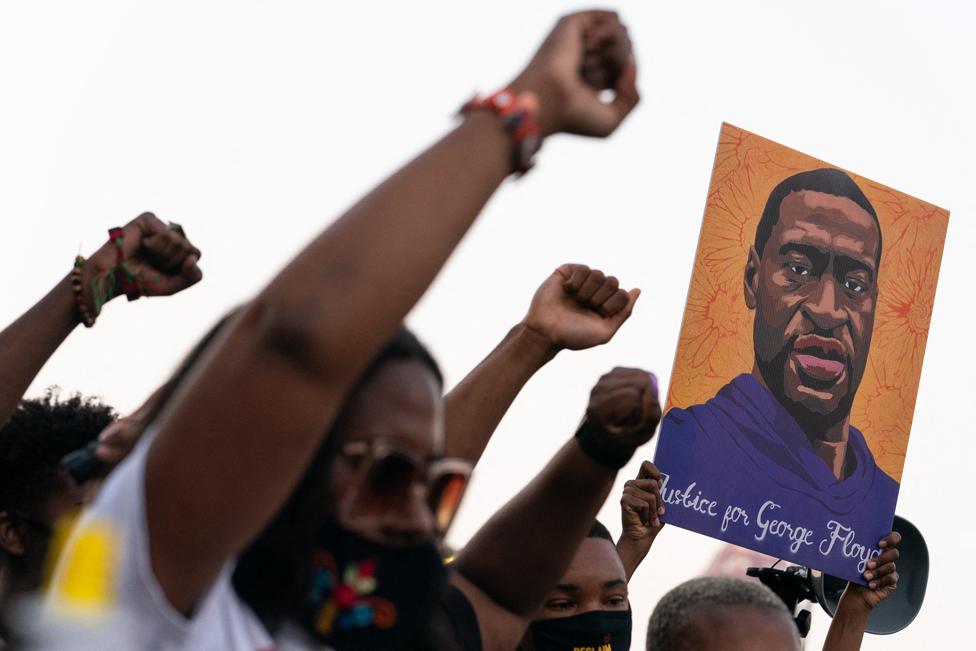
(597, 630)
(369, 596)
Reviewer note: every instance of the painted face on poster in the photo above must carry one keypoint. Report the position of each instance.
(762, 442)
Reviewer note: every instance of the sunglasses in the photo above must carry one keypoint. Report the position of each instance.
(388, 474)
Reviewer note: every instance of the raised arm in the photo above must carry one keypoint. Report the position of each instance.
(516, 558)
(149, 251)
(575, 308)
(859, 601)
(641, 508)
(242, 429)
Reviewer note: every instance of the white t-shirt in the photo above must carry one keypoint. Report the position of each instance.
(222, 621)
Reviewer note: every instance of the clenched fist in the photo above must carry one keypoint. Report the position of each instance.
(622, 414)
(153, 259)
(578, 307)
(584, 54)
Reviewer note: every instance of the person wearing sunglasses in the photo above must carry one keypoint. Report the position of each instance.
(267, 448)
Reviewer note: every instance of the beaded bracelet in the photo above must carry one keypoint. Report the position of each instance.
(79, 296)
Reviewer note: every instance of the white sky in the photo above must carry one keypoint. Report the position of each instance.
(255, 123)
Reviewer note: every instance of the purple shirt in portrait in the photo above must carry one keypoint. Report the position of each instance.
(739, 468)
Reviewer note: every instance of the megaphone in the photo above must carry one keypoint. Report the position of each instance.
(796, 584)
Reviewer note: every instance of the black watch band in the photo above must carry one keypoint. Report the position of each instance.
(588, 438)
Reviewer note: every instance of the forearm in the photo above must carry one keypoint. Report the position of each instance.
(847, 626)
(632, 553)
(524, 549)
(473, 409)
(27, 343)
(272, 384)
(346, 293)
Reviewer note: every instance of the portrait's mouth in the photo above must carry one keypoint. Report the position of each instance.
(819, 359)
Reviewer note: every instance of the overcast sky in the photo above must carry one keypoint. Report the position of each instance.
(254, 124)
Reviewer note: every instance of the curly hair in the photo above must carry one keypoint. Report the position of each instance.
(599, 530)
(36, 437)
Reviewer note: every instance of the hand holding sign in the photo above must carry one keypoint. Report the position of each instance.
(640, 509)
(881, 574)
(641, 505)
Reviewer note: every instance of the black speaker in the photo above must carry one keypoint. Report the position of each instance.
(796, 584)
(899, 610)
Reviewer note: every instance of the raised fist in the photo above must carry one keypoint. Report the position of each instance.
(624, 410)
(153, 259)
(584, 54)
(578, 307)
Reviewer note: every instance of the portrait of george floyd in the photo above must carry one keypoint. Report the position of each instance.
(792, 393)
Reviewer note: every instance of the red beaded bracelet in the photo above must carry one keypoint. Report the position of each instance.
(520, 116)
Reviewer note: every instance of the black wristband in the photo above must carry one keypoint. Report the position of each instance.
(589, 440)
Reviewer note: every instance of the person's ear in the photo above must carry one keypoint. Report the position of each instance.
(750, 279)
(11, 536)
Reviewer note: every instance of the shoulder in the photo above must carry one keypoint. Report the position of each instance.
(497, 627)
(110, 539)
(696, 416)
(454, 624)
(883, 481)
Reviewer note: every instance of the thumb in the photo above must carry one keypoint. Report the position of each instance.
(190, 271)
(624, 314)
(627, 95)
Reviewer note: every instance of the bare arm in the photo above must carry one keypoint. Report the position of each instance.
(27, 343)
(241, 431)
(641, 508)
(575, 308)
(858, 601)
(516, 558)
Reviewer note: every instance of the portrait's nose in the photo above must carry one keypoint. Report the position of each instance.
(822, 306)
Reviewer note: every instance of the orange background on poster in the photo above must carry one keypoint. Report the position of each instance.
(715, 343)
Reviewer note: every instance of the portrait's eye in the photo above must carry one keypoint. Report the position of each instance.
(856, 286)
(616, 600)
(799, 269)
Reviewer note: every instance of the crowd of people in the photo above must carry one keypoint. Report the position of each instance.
(290, 485)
